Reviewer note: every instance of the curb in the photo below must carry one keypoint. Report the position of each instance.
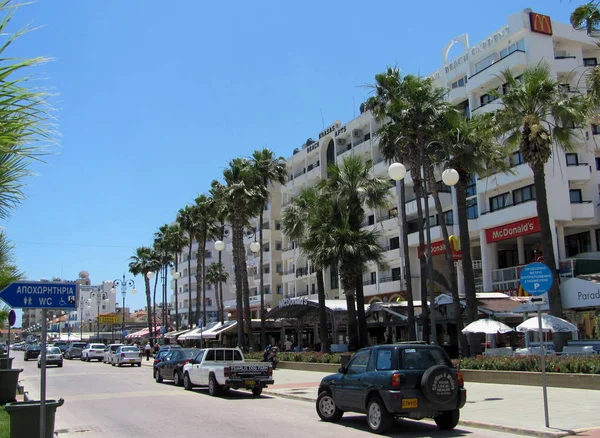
(468, 423)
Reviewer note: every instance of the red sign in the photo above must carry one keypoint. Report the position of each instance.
(439, 248)
(512, 230)
(540, 23)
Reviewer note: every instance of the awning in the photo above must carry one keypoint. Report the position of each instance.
(221, 329)
(141, 333)
(69, 337)
(386, 307)
(302, 308)
(198, 332)
(175, 335)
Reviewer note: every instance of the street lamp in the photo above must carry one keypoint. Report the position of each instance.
(100, 296)
(176, 275)
(150, 276)
(397, 171)
(124, 284)
(254, 247)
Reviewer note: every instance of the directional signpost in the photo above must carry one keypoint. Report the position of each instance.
(41, 295)
(536, 279)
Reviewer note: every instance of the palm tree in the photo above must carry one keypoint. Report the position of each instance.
(269, 170)
(220, 209)
(185, 219)
(216, 274)
(587, 17)
(9, 272)
(142, 263)
(176, 241)
(204, 218)
(538, 115)
(244, 193)
(351, 188)
(305, 221)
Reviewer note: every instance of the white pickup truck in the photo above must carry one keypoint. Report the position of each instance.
(224, 368)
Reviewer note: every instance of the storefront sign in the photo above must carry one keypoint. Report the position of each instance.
(340, 131)
(312, 147)
(540, 23)
(576, 293)
(299, 301)
(439, 248)
(329, 130)
(512, 230)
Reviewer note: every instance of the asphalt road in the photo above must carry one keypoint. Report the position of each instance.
(102, 401)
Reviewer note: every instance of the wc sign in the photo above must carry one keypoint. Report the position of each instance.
(536, 278)
(40, 295)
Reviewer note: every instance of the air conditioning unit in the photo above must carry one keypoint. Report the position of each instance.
(356, 132)
(340, 141)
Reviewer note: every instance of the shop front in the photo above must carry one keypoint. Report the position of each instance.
(581, 303)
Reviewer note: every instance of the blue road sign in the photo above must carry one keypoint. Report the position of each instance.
(40, 295)
(536, 278)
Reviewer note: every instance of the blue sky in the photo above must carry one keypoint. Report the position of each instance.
(153, 101)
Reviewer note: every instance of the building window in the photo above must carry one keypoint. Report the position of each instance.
(471, 190)
(335, 281)
(597, 163)
(486, 98)
(519, 45)
(595, 129)
(395, 274)
(367, 136)
(372, 219)
(448, 217)
(575, 196)
(394, 243)
(472, 212)
(499, 202)
(590, 62)
(578, 243)
(277, 225)
(279, 289)
(278, 246)
(572, 159)
(523, 194)
(460, 83)
(515, 159)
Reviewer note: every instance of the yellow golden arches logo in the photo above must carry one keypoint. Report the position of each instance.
(540, 23)
(454, 243)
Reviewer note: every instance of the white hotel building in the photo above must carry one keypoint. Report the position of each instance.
(503, 225)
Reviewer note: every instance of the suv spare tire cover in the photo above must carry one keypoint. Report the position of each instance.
(439, 384)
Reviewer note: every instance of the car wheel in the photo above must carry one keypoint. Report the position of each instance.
(378, 418)
(256, 392)
(60, 365)
(158, 377)
(39, 366)
(448, 420)
(139, 364)
(25, 359)
(119, 364)
(177, 378)
(327, 409)
(213, 386)
(187, 383)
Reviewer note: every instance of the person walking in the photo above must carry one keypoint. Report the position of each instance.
(147, 350)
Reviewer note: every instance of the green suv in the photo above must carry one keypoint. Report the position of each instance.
(391, 381)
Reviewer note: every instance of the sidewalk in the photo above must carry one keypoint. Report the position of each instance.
(505, 408)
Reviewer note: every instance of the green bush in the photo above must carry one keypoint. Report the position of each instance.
(311, 357)
(554, 364)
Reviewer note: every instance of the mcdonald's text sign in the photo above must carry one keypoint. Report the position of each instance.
(540, 23)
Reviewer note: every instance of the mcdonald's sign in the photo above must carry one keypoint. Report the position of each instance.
(540, 23)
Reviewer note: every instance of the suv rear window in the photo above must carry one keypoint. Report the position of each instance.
(422, 358)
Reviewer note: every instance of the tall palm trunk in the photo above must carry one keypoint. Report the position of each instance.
(204, 279)
(467, 262)
(220, 283)
(199, 279)
(323, 329)
(412, 336)
(247, 311)
(154, 307)
(422, 260)
(556, 309)
(456, 307)
(263, 328)
(176, 292)
(149, 307)
(189, 264)
(363, 335)
(238, 261)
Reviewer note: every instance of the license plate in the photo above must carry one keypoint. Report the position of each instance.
(410, 403)
(131, 360)
(249, 382)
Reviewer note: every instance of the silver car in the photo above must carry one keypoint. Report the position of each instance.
(126, 354)
(53, 357)
(93, 351)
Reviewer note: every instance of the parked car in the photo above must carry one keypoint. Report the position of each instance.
(223, 368)
(161, 353)
(126, 354)
(392, 381)
(32, 351)
(62, 345)
(171, 367)
(93, 351)
(53, 357)
(109, 351)
(74, 350)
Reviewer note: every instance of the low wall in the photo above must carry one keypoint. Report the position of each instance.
(558, 380)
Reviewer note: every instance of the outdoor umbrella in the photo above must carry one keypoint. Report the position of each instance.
(549, 324)
(487, 326)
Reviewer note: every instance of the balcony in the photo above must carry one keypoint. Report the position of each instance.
(436, 235)
(565, 63)
(506, 279)
(579, 172)
(509, 213)
(520, 172)
(516, 60)
(457, 95)
(583, 210)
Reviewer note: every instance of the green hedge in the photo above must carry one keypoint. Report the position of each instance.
(554, 364)
(311, 357)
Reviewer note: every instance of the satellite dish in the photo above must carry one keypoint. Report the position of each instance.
(84, 274)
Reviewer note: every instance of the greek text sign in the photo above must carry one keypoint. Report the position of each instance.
(40, 295)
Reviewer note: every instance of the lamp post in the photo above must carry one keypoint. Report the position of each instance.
(397, 171)
(100, 296)
(176, 276)
(151, 312)
(123, 284)
(81, 305)
(254, 247)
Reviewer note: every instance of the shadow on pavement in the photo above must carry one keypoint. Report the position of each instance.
(231, 394)
(403, 428)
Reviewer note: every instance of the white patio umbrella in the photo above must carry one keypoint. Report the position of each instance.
(487, 326)
(550, 323)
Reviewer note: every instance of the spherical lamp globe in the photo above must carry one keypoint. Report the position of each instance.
(450, 177)
(255, 247)
(219, 245)
(397, 171)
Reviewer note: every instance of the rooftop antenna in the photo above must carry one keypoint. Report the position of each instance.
(322, 119)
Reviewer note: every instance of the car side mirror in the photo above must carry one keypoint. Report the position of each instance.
(342, 370)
